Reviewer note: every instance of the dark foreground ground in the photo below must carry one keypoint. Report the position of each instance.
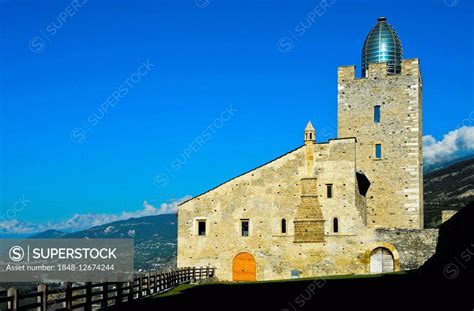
(444, 282)
(408, 291)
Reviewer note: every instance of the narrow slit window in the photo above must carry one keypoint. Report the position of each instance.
(245, 227)
(378, 151)
(329, 191)
(283, 226)
(335, 225)
(376, 114)
(201, 227)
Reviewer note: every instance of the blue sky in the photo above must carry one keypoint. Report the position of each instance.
(173, 73)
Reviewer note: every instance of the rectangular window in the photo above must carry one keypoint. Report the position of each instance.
(295, 274)
(376, 114)
(245, 227)
(329, 190)
(201, 227)
(378, 151)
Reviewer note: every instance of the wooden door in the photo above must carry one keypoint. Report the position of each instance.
(244, 268)
(381, 261)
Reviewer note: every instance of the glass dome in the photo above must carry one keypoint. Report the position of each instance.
(381, 45)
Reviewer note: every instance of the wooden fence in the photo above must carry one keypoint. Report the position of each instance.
(100, 296)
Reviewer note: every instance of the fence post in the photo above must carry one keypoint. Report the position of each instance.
(148, 283)
(105, 295)
(158, 282)
(155, 278)
(130, 291)
(88, 302)
(118, 298)
(13, 304)
(68, 296)
(194, 274)
(140, 286)
(43, 298)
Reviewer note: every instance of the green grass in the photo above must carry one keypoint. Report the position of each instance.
(178, 290)
(181, 289)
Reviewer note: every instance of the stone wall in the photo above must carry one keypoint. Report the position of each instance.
(273, 192)
(395, 197)
(269, 194)
(414, 246)
(446, 215)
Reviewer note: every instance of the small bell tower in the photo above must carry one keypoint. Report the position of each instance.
(309, 134)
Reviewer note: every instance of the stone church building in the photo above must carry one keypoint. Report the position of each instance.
(352, 205)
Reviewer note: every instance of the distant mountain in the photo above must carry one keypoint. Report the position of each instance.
(441, 165)
(14, 236)
(49, 234)
(448, 188)
(154, 238)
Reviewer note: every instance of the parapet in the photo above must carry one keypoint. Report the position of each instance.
(410, 67)
(446, 215)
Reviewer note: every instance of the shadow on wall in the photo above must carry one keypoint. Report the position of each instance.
(454, 256)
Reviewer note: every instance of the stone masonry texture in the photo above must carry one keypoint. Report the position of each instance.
(294, 187)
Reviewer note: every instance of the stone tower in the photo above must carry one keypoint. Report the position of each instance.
(383, 110)
(309, 221)
(309, 134)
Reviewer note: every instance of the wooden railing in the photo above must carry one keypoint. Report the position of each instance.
(100, 296)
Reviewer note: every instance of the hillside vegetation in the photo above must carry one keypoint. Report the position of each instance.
(448, 188)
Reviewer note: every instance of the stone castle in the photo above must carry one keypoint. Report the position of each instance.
(352, 205)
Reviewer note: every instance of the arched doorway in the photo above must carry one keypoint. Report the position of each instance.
(381, 261)
(244, 268)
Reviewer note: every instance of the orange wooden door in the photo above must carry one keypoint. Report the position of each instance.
(244, 268)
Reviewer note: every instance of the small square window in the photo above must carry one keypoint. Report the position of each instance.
(201, 227)
(295, 274)
(245, 227)
(329, 191)
(376, 114)
(378, 151)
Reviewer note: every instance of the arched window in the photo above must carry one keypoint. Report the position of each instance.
(283, 225)
(335, 225)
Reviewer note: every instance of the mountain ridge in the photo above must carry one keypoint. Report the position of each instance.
(155, 238)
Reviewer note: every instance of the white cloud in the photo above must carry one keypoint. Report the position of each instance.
(85, 221)
(15, 226)
(455, 144)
